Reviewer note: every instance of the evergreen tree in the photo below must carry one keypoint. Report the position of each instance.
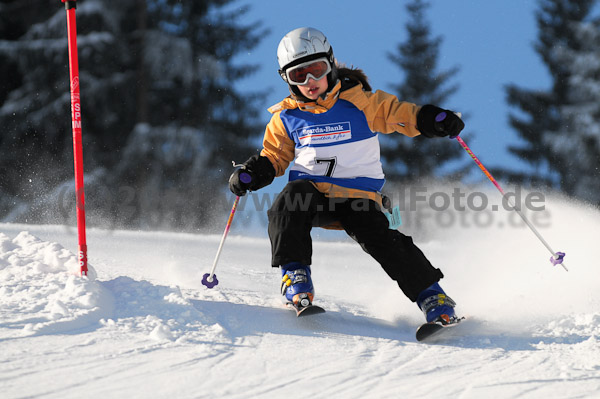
(161, 118)
(561, 132)
(406, 158)
(179, 159)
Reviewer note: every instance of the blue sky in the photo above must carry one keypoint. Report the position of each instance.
(490, 41)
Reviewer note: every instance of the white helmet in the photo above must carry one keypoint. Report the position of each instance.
(301, 45)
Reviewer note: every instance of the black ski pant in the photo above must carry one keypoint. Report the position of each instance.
(300, 207)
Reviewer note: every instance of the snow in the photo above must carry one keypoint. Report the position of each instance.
(145, 327)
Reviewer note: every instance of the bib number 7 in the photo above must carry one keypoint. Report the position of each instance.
(331, 162)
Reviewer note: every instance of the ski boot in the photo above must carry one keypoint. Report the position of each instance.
(437, 307)
(296, 284)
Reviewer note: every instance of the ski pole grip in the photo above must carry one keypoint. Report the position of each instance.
(245, 178)
(439, 118)
(459, 114)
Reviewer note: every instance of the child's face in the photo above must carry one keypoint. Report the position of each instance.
(314, 88)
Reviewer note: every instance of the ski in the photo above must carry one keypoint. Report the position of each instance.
(429, 331)
(302, 311)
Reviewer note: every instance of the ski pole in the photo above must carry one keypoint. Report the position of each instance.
(70, 6)
(210, 279)
(557, 257)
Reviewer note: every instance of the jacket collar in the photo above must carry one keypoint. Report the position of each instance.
(317, 106)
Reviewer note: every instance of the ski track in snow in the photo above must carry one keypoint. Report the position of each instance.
(143, 326)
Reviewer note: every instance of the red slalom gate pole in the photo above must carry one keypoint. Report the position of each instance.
(70, 6)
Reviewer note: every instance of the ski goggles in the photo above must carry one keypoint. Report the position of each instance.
(316, 69)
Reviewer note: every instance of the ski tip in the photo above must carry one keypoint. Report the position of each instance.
(306, 310)
(431, 330)
(428, 330)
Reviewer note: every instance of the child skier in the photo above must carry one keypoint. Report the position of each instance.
(329, 126)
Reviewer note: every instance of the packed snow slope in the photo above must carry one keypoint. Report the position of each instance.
(145, 327)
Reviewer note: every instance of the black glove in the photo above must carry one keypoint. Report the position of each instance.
(434, 121)
(239, 181)
(254, 174)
